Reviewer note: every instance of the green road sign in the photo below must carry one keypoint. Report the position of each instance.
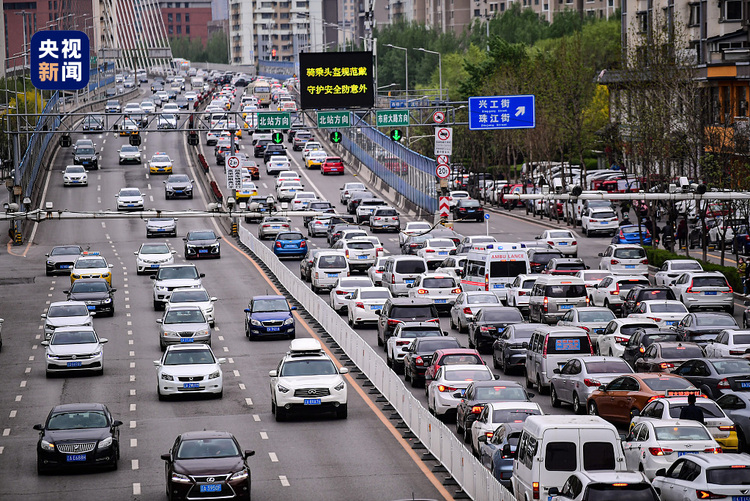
(396, 135)
(333, 119)
(274, 120)
(336, 137)
(277, 137)
(392, 118)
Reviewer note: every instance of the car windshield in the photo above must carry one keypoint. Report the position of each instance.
(208, 448)
(686, 266)
(67, 310)
(570, 266)
(361, 245)
(155, 249)
(500, 393)
(565, 291)
(731, 366)
(191, 296)
(177, 273)
(267, 305)
(441, 242)
(129, 149)
(201, 235)
(715, 320)
(89, 263)
(513, 415)
(481, 374)
(668, 308)
(595, 316)
(65, 251)
(290, 236)
(682, 433)
(729, 475)
(178, 178)
(439, 283)
(412, 312)
(431, 345)
(560, 234)
(709, 282)
(709, 408)
(630, 253)
(619, 491)
(130, 193)
(419, 226)
(85, 151)
(603, 215)
(482, 299)
(382, 294)
(189, 357)
(607, 367)
(626, 285)
(352, 283)
(661, 384)
(568, 345)
(184, 317)
(544, 257)
(160, 158)
(319, 367)
(410, 266)
(80, 286)
(77, 420)
(594, 275)
(332, 262)
(74, 169)
(73, 337)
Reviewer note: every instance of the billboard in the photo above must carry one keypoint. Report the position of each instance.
(336, 80)
(60, 60)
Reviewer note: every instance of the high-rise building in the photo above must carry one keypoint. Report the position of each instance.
(187, 19)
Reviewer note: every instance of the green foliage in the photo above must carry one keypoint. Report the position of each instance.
(192, 49)
(656, 257)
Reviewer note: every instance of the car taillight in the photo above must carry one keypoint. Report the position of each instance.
(616, 292)
(393, 323)
(303, 244)
(486, 282)
(467, 311)
(521, 293)
(644, 261)
(429, 250)
(574, 243)
(266, 226)
(546, 303)
(346, 253)
(534, 264)
(621, 340)
(666, 365)
(642, 349)
(442, 388)
(484, 328)
(727, 428)
(435, 320)
(422, 291)
(535, 489)
(477, 409)
(713, 450)
(418, 361)
(622, 236)
(341, 293)
(614, 261)
(655, 319)
(660, 451)
(723, 384)
(361, 305)
(550, 242)
(701, 494)
(592, 382)
(457, 290)
(402, 343)
(489, 435)
(278, 244)
(546, 338)
(690, 289)
(583, 327)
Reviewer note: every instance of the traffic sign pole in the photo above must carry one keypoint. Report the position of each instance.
(487, 224)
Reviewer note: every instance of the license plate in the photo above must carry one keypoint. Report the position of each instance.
(275, 227)
(670, 322)
(154, 266)
(379, 307)
(566, 306)
(332, 275)
(64, 266)
(361, 257)
(210, 488)
(710, 293)
(603, 222)
(629, 266)
(75, 457)
(74, 364)
(312, 401)
(745, 384)
(161, 229)
(463, 392)
(685, 453)
(203, 251)
(499, 286)
(563, 243)
(441, 301)
(91, 307)
(191, 385)
(273, 329)
(740, 498)
(598, 331)
(442, 253)
(186, 340)
(411, 281)
(131, 205)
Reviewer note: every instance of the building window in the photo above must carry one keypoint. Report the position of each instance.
(732, 10)
(178, 18)
(477, 14)
(536, 2)
(169, 17)
(171, 29)
(695, 14)
(546, 7)
(642, 20)
(179, 29)
(502, 7)
(187, 18)
(187, 29)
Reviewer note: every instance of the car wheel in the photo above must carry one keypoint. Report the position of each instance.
(414, 382)
(495, 363)
(380, 341)
(577, 408)
(553, 397)
(342, 412)
(48, 273)
(471, 343)
(529, 383)
(40, 469)
(452, 323)
(592, 410)
(467, 435)
(161, 397)
(157, 305)
(406, 374)
(281, 414)
(539, 386)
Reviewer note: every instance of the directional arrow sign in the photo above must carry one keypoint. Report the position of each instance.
(396, 135)
(277, 137)
(502, 112)
(335, 137)
(444, 208)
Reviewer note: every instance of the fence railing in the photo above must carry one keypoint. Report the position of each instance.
(38, 142)
(474, 479)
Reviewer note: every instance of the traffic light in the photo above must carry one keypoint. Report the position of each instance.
(135, 140)
(193, 138)
(277, 138)
(336, 137)
(273, 54)
(396, 135)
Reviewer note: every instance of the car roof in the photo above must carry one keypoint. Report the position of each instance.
(186, 346)
(79, 407)
(193, 435)
(404, 301)
(278, 296)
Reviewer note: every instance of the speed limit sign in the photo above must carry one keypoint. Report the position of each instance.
(233, 162)
(234, 173)
(442, 171)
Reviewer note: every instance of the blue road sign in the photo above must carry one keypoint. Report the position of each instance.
(60, 60)
(502, 112)
(486, 216)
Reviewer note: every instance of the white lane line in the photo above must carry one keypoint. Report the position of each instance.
(23, 384)
(130, 341)
(98, 200)
(134, 464)
(221, 338)
(132, 424)
(248, 401)
(256, 418)
(148, 185)
(151, 198)
(136, 489)
(98, 187)
(263, 435)
(133, 442)
(132, 407)
(132, 392)
(104, 225)
(12, 414)
(18, 398)
(230, 360)
(274, 458)
(242, 386)
(132, 365)
(284, 481)
(132, 377)
(217, 330)
(132, 353)
(31, 358)
(6, 432)
(226, 349)
(27, 370)
(34, 347)
(1, 449)
(236, 373)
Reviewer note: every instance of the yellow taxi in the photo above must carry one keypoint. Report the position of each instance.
(160, 163)
(247, 190)
(91, 265)
(315, 159)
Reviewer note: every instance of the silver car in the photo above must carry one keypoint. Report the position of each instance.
(183, 324)
(161, 226)
(704, 290)
(74, 349)
(130, 154)
(467, 305)
(580, 376)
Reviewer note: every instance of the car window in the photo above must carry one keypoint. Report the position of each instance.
(207, 448)
(320, 367)
(710, 409)
(598, 456)
(184, 317)
(73, 337)
(560, 456)
(667, 433)
(77, 420)
(729, 475)
(267, 305)
(189, 357)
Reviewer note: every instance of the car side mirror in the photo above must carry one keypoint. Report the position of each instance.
(202, 275)
(293, 308)
(103, 340)
(159, 320)
(38, 427)
(553, 491)
(530, 395)
(117, 422)
(248, 453)
(377, 312)
(248, 310)
(509, 452)
(661, 472)
(44, 343)
(525, 346)
(482, 438)
(166, 457)
(66, 291)
(457, 394)
(43, 315)
(273, 373)
(635, 412)
(157, 363)
(152, 277)
(601, 254)
(135, 253)
(221, 360)
(349, 296)
(556, 370)
(537, 237)
(603, 387)
(344, 370)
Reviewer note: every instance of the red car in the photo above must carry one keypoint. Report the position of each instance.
(451, 356)
(332, 165)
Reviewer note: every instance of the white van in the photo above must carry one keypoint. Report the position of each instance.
(551, 347)
(551, 448)
(494, 270)
(261, 136)
(400, 271)
(327, 268)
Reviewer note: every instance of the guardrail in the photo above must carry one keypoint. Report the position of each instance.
(475, 480)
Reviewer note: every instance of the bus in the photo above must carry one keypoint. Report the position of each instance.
(262, 91)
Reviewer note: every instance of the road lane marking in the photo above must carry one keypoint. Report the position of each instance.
(6, 432)
(136, 489)
(274, 458)
(134, 464)
(133, 442)
(221, 338)
(132, 424)
(132, 392)
(236, 373)
(256, 418)
(18, 398)
(23, 384)
(249, 401)
(230, 360)
(263, 435)
(132, 407)
(12, 414)
(284, 481)
(132, 377)
(242, 386)
(27, 370)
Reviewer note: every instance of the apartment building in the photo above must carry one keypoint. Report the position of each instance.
(188, 19)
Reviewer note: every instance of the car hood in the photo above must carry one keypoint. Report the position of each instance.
(161, 224)
(131, 199)
(87, 296)
(270, 315)
(72, 349)
(65, 321)
(317, 381)
(130, 153)
(209, 466)
(155, 257)
(63, 258)
(179, 186)
(185, 327)
(190, 370)
(202, 242)
(87, 435)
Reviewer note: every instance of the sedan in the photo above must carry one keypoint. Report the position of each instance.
(447, 388)
(496, 413)
(665, 356)
(302, 199)
(76, 436)
(343, 287)
(331, 165)
(269, 316)
(580, 376)
(74, 349)
(178, 186)
(488, 323)
(75, 175)
(290, 243)
(363, 303)
(207, 464)
(130, 154)
(315, 159)
(184, 324)
(287, 190)
(149, 257)
(66, 314)
(61, 258)
(202, 243)
(160, 163)
(187, 369)
(158, 226)
(673, 268)
(194, 297)
(95, 292)
(398, 344)
(466, 307)
(736, 405)
(592, 319)
(129, 199)
(716, 376)
(442, 290)
(468, 209)
(480, 393)
(270, 226)
(166, 121)
(703, 327)
(496, 453)
(729, 343)
(617, 334)
(435, 250)
(664, 312)
(563, 241)
(630, 234)
(726, 474)
(509, 349)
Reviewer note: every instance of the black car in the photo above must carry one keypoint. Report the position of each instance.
(178, 186)
(77, 436)
(273, 150)
(419, 356)
(95, 292)
(509, 349)
(715, 376)
(181, 102)
(207, 465)
(86, 156)
(61, 258)
(468, 209)
(702, 327)
(355, 199)
(643, 293)
(644, 337)
(538, 258)
(480, 393)
(413, 243)
(403, 309)
(260, 147)
(93, 123)
(488, 322)
(202, 243)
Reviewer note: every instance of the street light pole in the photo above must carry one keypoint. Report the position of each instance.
(406, 69)
(440, 68)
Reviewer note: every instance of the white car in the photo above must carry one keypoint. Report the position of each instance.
(445, 391)
(467, 305)
(627, 259)
(149, 257)
(342, 288)
(591, 278)
(704, 289)
(310, 146)
(442, 290)
(592, 319)
(129, 199)
(496, 413)
(307, 380)
(652, 445)
(302, 199)
(277, 164)
(166, 121)
(455, 196)
(74, 349)
(520, 290)
(66, 314)
(189, 368)
(130, 154)
(363, 303)
(164, 96)
(191, 96)
(171, 277)
(612, 290)
(148, 106)
(561, 240)
(452, 265)
(194, 297)
(665, 312)
(171, 109)
(287, 175)
(586, 485)
(712, 476)
(617, 333)
(673, 268)
(435, 250)
(375, 272)
(287, 190)
(360, 254)
(75, 175)
(575, 380)
(729, 343)
(598, 220)
(271, 226)
(401, 339)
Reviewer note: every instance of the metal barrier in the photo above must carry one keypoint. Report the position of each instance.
(474, 479)
(32, 157)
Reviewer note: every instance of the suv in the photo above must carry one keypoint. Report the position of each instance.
(87, 156)
(704, 290)
(552, 296)
(399, 310)
(306, 379)
(419, 356)
(624, 259)
(643, 293)
(366, 207)
(269, 315)
(171, 277)
(548, 347)
(564, 266)
(384, 219)
(300, 139)
(611, 291)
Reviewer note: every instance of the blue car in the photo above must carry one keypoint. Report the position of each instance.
(269, 316)
(290, 243)
(628, 234)
(496, 452)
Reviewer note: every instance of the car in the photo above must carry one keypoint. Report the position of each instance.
(166, 121)
(642, 338)
(435, 250)
(716, 376)
(624, 259)
(496, 453)
(129, 154)
(160, 163)
(269, 316)
(61, 258)
(290, 243)
(729, 343)
(194, 296)
(286, 191)
(419, 356)
(703, 327)
(449, 384)
(112, 106)
(307, 380)
(129, 199)
(538, 258)
(403, 335)
(189, 369)
(343, 287)
(564, 266)
(326, 269)
(95, 292)
(510, 347)
(366, 207)
(384, 219)
(584, 486)
(158, 226)
(207, 462)
(480, 393)
(664, 356)
(666, 313)
(475, 242)
(299, 139)
(452, 265)
(467, 305)
(78, 435)
(704, 290)
(309, 147)
(348, 189)
(671, 269)
(182, 325)
(623, 398)
(329, 165)
(646, 293)
(592, 319)
(599, 220)
(468, 209)
(171, 277)
(591, 278)
(632, 234)
(363, 303)
(487, 324)
(450, 356)
(287, 175)
(726, 474)
(456, 195)
(91, 265)
(92, 123)
(375, 272)
(273, 150)
(271, 226)
(74, 349)
(441, 290)
(355, 199)
(149, 257)
(617, 333)
(574, 382)
(202, 243)
(86, 156)
(178, 186)
(277, 164)
(75, 175)
(494, 414)
(561, 240)
(171, 109)
(736, 405)
(612, 290)
(669, 407)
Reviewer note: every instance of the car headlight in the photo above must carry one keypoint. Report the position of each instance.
(76, 276)
(106, 275)
(203, 332)
(167, 377)
(210, 309)
(107, 301)
(103, 444)
(339, 386)
(97, 352)
(161, 288)
(289, 321)
(48, 446)
(181, 479)
(240, 475)
(214, 375)
(255, 322)
(282, 389)
(50, 262)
